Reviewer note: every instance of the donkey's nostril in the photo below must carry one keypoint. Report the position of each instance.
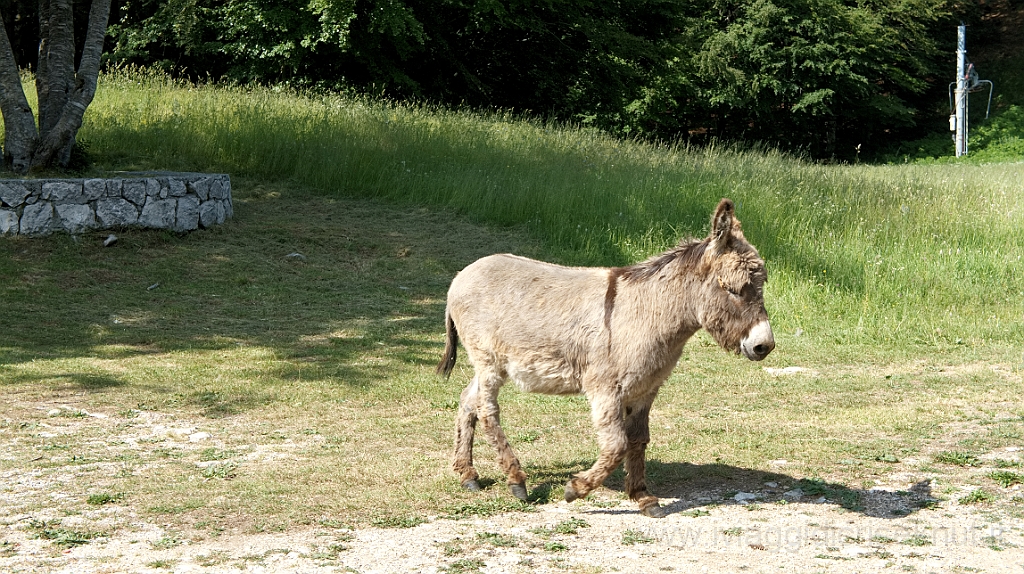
(759, 342)
(763, 349)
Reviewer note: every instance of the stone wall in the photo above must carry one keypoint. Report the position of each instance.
(175, 201)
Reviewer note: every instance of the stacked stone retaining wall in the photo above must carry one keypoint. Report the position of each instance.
(174, 201)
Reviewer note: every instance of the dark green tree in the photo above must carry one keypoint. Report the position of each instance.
(822, 76)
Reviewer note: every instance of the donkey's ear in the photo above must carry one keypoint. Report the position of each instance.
(722, 224)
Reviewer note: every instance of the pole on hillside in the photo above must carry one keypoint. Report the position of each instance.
(961, 91)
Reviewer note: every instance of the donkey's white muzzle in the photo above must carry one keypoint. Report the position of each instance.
(758, 342)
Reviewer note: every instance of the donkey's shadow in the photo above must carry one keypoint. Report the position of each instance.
(696, 486)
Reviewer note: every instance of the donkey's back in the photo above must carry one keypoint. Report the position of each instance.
(535, 322)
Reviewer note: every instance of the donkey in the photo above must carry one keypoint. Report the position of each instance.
(613, 334)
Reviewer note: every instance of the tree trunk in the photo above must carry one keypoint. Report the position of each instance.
(63, 93)
(75, 91)
(20, 136)
(55, 74)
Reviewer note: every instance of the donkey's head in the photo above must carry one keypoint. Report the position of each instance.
(734, 276)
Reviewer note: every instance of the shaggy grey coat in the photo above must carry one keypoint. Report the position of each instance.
(612, 334)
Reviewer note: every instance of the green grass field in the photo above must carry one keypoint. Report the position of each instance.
(859, 255)
(898, 290)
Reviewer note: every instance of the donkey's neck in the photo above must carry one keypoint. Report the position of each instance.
(656, 302)
(664, 307)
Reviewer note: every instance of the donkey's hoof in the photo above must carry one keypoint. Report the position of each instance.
(654, 511)
(518, 490)
(570, 492)
(471, 485)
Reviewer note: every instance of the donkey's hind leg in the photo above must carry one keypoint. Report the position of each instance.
(487, 410)
(465, 426)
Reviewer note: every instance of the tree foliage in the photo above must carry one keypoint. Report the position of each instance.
(574, 60)
(823, 76)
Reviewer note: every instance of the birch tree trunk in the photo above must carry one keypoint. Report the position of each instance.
(63, 93)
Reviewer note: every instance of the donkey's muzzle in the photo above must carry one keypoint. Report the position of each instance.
(759, 342)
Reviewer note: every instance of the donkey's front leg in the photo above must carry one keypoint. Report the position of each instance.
(638, 434)
(611, 438)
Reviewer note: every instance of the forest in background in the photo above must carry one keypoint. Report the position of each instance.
(828, 79)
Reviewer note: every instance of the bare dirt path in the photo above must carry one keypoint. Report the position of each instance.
(797, 537)
(769, 526)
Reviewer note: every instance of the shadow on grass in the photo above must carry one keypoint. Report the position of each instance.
(83, 381)
(217, 404)
(292, 289)
(697, 486)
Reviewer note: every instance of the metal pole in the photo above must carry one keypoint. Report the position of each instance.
(961, 91)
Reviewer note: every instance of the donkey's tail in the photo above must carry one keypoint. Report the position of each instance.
(451, 345)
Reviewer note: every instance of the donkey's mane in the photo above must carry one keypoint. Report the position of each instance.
(689, 253)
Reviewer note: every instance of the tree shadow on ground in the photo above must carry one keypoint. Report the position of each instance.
(83, 381)
(343, 291)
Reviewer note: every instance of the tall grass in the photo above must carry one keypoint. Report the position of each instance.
(917, 254)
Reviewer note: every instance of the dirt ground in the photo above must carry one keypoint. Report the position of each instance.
(769, 525)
